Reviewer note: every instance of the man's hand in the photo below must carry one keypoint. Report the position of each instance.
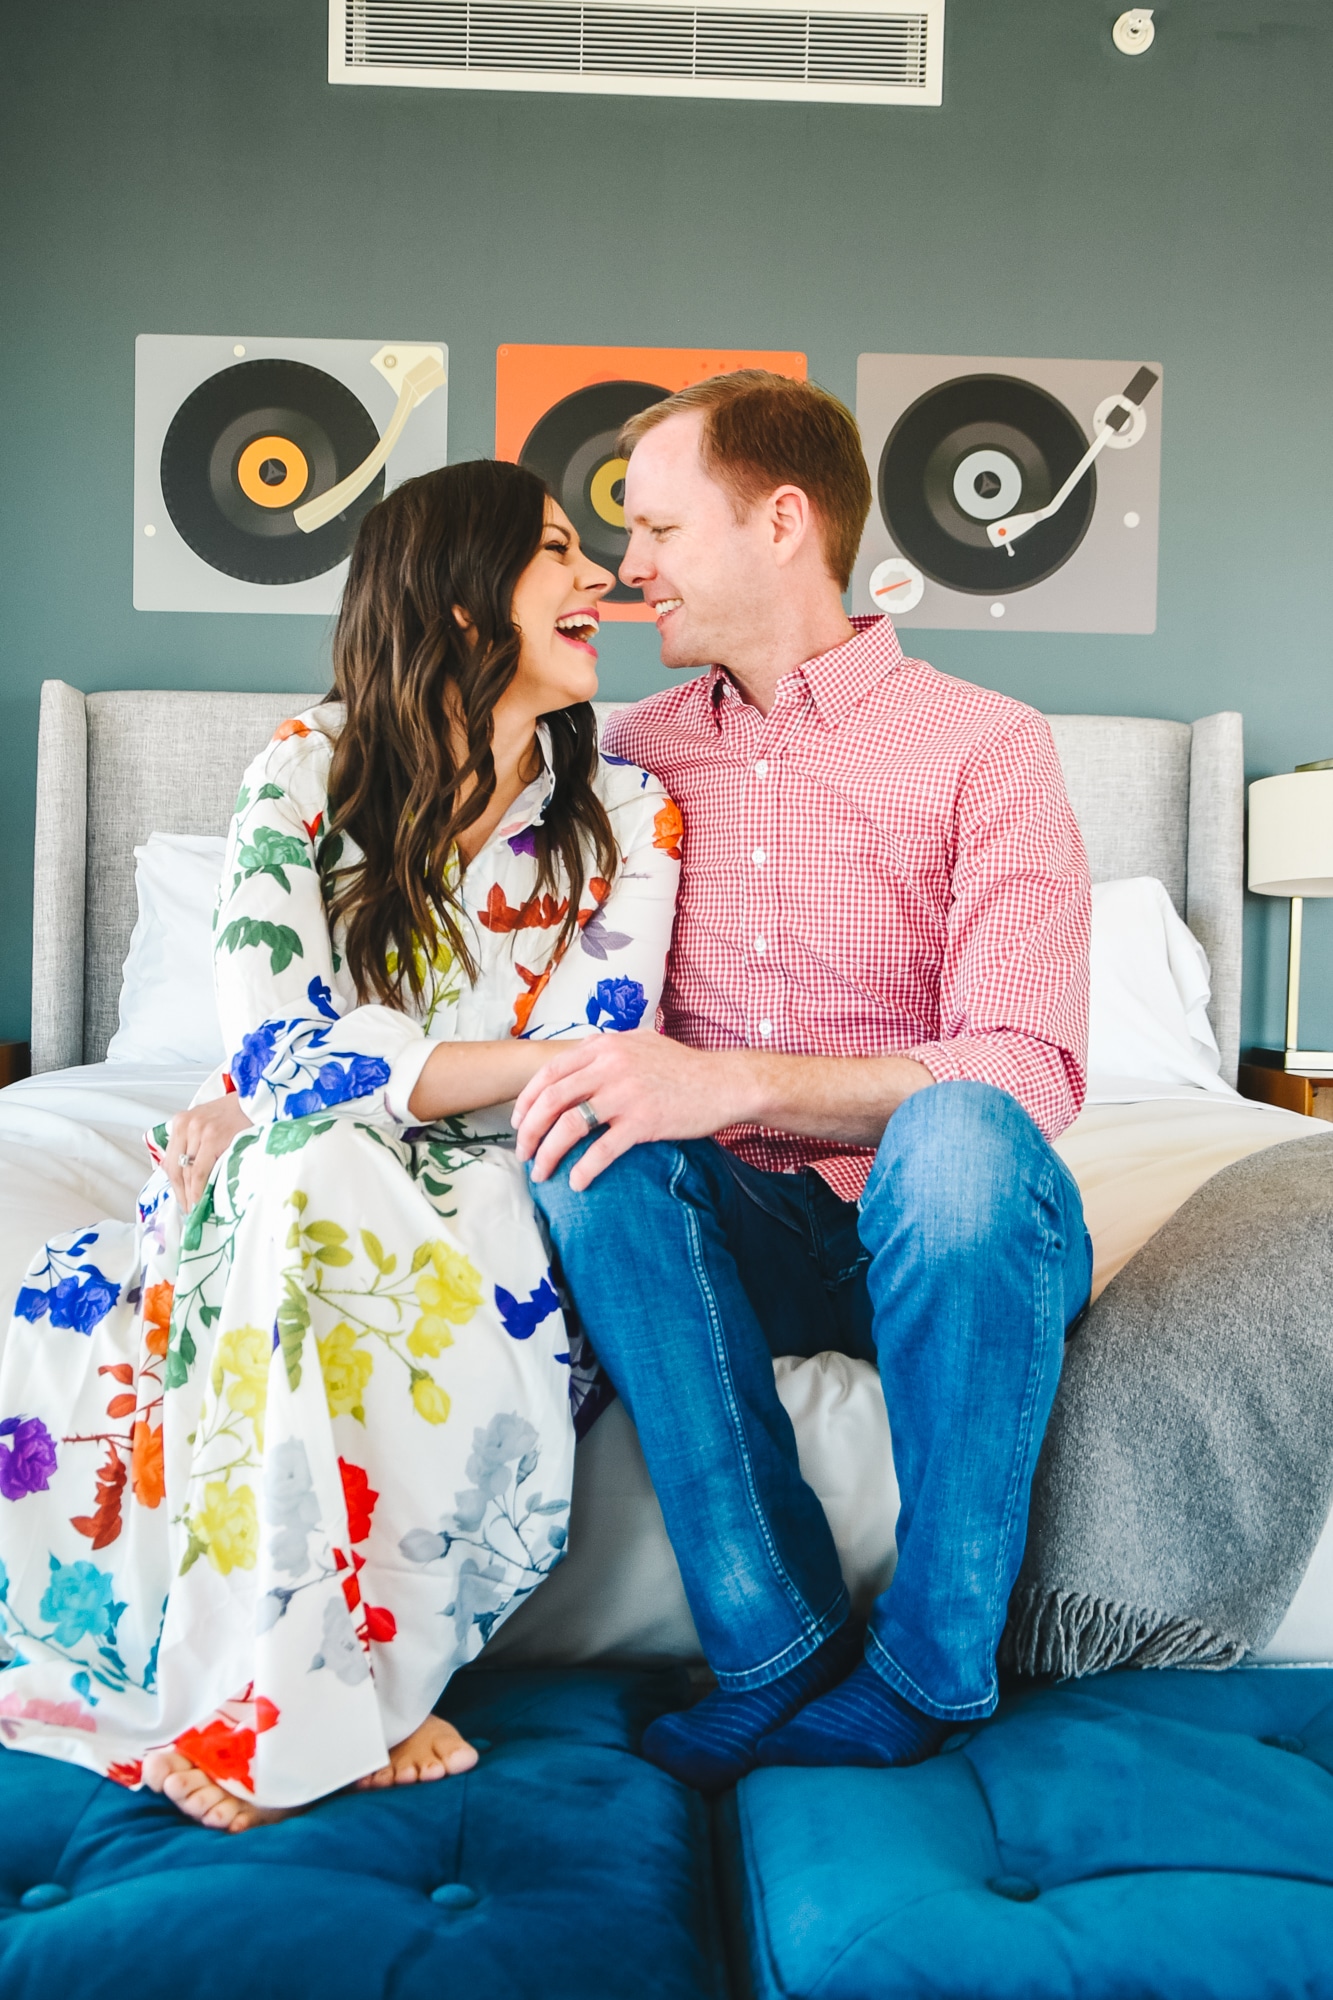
(644, 1086)
(204, 1134)
(641, 1086)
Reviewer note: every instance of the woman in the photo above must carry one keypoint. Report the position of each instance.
(276, 1460)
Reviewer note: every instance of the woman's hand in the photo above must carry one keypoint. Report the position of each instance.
(201, 1136)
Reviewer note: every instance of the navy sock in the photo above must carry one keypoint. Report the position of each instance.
(712, 1745)
(862, 1721)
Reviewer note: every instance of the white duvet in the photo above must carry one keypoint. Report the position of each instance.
(71, 1152)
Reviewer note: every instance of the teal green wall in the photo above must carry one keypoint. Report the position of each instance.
(183, 166)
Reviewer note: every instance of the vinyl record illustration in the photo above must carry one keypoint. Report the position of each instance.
(246, 448)
(972, 451)
(573, 448)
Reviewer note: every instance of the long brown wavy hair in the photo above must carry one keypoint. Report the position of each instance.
(405, 670)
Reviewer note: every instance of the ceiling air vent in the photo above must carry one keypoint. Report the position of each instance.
(807, 51)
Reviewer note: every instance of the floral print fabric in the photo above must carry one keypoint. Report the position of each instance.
(271, 1472)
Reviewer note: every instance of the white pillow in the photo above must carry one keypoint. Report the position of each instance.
(168, 1012)
(1150, 989)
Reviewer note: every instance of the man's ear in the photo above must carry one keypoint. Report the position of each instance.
(791, 520)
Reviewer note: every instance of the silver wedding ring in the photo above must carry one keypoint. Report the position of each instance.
(590, 1118)
(186, 1159)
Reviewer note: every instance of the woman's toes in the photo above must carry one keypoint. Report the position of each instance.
(182, 1785)
(226, 1814)
(199, 1798)
(195, 1794)
(375, 1781)
(159, 1765)
(434, 1751)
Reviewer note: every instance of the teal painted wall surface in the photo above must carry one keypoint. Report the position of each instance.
(183, 166)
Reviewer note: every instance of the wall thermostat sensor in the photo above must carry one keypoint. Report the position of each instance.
(1134, 31)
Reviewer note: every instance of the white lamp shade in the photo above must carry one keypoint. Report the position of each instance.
(1291, 834)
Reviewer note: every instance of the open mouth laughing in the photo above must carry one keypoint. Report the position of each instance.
(579, 628)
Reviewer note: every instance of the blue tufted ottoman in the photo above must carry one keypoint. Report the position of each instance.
(562, 1868)
(1142, 1837)
(1147, 1836)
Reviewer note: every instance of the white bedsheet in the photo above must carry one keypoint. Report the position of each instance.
(1135, 1163)
(71, 1152)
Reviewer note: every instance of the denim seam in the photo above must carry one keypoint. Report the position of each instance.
(782, 1663)
(1042, 1300)
(889, 1667)
(810, 1640)
(899, 1679)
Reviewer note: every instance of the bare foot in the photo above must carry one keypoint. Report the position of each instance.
(435, 1750)
(198, 1797)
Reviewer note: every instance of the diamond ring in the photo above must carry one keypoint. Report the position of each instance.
(186, 1159)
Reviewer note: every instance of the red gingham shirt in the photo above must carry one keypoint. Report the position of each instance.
(885, 864)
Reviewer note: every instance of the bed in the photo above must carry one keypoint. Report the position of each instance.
(1145, 1833)
(1155, 799)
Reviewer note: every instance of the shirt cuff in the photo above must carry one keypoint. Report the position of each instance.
(404, 1076)
(1042, 1087)
(948, 1061)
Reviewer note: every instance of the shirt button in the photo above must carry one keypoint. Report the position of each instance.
(759, 857)
(761, 768)
(761, 944)
(766, 1029)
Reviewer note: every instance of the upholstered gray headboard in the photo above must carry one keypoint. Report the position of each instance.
(1152, 798)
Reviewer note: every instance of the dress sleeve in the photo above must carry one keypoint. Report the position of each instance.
(296, 1041)
(1014, 983)
(610, 977)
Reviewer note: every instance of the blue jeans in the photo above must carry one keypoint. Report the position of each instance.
(958, 1275)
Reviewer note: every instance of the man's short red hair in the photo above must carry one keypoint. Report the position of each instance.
(762, 431)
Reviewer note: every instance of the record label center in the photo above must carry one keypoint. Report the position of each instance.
(242, 453)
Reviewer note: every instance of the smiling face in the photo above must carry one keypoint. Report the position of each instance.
(707, 574)
(555, 611)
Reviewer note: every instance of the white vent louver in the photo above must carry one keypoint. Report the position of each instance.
(812, 51)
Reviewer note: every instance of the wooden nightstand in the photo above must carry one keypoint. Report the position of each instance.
(1263, 1078)
(15, 1062)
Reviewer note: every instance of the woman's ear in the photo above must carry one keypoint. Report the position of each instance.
(461, 619)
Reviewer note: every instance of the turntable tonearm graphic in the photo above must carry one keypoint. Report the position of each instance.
(1018, 494)
(255, 461)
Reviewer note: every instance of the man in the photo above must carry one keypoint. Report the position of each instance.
(875, 1017)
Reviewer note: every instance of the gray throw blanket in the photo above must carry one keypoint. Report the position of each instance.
(1188, 1469)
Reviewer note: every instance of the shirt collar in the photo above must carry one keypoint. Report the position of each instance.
(529, 808)
(834, 681)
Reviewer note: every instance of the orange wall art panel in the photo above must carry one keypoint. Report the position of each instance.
(560, 409)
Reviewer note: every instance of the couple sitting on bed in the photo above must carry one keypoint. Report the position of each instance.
(277, 1458)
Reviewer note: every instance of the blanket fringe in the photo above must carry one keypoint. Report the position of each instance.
(1067, 1634)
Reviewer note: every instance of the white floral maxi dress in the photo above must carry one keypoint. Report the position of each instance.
(271, 1472)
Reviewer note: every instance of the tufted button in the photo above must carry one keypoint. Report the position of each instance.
(455, 1896)
(1014, 1888)
(43, 1896)
(1295, 1744)
(480, 1743)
